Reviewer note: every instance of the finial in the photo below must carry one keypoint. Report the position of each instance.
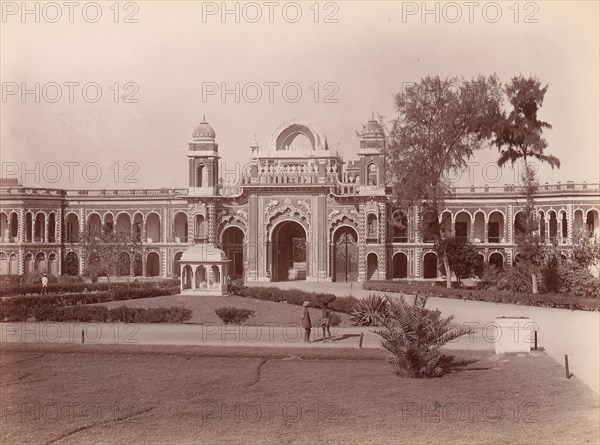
(204, 117)
(372, 115)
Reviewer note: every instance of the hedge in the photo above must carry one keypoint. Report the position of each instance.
(62, 288)
(562, 301)
(17, 306)
(295, 296)
(101, 314)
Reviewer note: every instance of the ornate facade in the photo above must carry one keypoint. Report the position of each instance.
(296, 211)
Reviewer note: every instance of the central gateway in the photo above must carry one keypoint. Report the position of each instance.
(289, 252)
(279, 220)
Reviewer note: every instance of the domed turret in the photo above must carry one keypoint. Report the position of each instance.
(373, 129)
(203, 131)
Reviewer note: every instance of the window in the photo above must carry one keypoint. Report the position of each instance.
(372, 174)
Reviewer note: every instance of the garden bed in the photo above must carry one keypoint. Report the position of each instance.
(562, 301)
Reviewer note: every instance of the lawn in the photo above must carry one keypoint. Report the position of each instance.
(152, 394)
(203, 308)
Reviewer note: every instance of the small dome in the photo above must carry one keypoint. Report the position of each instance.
(373, 129)
(204, 131)
(204, 253)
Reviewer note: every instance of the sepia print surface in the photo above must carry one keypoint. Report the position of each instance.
(299, 222)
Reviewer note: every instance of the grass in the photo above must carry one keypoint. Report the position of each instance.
(151, 394)
(203, 308)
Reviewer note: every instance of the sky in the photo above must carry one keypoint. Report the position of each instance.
(107, 95)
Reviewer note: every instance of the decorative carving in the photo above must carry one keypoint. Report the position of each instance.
(305, 205)
(338, 215)
(371, 206)
(269, 207)
(228, 215)
(197, 207)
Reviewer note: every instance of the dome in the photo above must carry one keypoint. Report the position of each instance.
(203, 253)
(373, 129)
(203, 131)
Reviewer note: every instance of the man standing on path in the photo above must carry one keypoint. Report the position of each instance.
(325, 314)
(306, 323)
(44, 283)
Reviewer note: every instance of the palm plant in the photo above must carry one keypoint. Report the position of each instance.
(414, 336)
(519, 136)
(369, 311)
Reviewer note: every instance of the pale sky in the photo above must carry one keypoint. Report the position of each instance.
(174, 52)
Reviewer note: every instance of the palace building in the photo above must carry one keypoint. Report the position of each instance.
(297, 211)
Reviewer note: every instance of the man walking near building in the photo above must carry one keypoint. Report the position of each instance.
(44, 283)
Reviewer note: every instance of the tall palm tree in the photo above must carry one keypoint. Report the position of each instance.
(519, 136)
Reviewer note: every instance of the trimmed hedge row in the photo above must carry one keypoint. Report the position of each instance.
(17, 306)
(296, 296)
(25, 289)
(562, 301)
(101, 314)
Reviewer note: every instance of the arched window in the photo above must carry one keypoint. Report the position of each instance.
(372, 174)
(200, 176)
(371, 225)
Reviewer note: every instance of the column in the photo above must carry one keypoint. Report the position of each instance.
(144, 264)
(362, 263)
(46, 218)
(472, 239)
(382, 241)
(486, 230)
(212, 236)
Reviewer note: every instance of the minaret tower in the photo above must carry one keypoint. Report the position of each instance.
(372, 158)
(204, 158)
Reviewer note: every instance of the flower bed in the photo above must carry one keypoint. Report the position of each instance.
(22, 307)
(563, 301)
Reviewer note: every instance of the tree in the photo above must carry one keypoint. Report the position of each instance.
(104, 249)
(414, 336)
(441, 124)
(462, 256)
(518, 136)
(586, 248)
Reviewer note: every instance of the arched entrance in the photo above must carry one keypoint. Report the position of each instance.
(288, 252)
(400, 266)
(153, 264)
(345, 255)
(177, 264)
(372, 266)
(232, 242)
(496, 259)
(430, 265)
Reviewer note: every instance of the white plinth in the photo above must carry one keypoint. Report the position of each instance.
(514, 334)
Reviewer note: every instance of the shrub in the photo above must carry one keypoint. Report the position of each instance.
(234, 286)
(370, 310)
(87, 314)
(334, 319)
(414, 336)
(234, 315)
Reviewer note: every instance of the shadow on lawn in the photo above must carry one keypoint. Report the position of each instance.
(452, 364)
